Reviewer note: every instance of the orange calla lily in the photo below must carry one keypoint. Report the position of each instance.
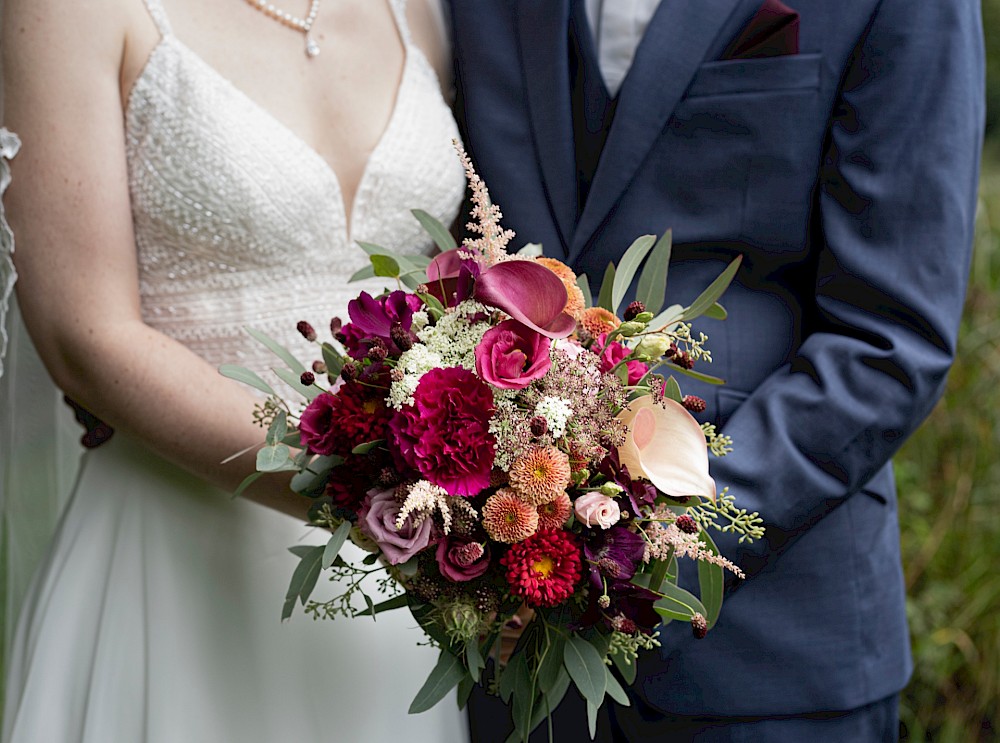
(666, 445)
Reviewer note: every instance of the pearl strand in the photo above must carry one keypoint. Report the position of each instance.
(293, 22)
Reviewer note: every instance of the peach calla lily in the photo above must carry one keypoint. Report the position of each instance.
(666, 445)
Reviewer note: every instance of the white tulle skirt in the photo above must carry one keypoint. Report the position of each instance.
(155, 618)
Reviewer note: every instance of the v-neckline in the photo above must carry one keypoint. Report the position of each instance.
(349, 219)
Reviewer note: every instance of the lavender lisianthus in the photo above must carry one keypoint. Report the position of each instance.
(377, 519)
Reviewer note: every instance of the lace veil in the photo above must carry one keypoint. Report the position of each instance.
(39, 441)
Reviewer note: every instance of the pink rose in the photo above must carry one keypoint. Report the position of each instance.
(613, 353)
(460, 559)
(316, 426)
(511, 356)
(378, 520)
(594, 509)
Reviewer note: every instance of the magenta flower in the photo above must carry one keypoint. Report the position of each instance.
(511, 356)
(377, 519)
(450, 277)
(615, 352)
(373, 318)
(445, 435)
(461, 559)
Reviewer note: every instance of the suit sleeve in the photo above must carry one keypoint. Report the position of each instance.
(894, 220)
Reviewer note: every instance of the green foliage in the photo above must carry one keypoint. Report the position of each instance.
(949, 485)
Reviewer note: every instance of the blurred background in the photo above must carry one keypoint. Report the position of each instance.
(949, 495)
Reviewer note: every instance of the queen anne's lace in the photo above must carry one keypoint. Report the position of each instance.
(239, 223)
(9, 145)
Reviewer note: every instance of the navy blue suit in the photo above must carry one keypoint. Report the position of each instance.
(846, 176)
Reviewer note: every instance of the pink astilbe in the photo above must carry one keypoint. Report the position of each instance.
(486, 216)
(665, 538)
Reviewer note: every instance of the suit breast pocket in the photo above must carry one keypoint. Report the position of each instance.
(759, 123)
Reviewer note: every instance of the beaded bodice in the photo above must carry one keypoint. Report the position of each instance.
(238, 222)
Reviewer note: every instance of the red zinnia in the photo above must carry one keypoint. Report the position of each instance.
(544, 568)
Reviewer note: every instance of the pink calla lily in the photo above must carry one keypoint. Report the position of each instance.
(666, 445)
(530, 293)
(450, 277)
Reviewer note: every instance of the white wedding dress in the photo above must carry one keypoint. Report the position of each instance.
(155, 614)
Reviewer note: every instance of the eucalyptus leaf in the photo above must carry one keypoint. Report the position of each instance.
(367, 446)
(473, 657)
(370, 559)
(244, 375)
(711, 295)
(524, 698)
(371, 248)
(303, 580)
(710, 581)
(667, 317)
(615, 690)
(333, 359)
(370, 611)
(396, 602)
(627, 669)
(438, 232)
(585, 667)
(277, 458)
(584, 283)
(432, 302)
(278, 350)
(547, 703)
(531, 250)
(700, 376)
(607, 283)
(247, 482)
(652, 287)
(385, 266)
(465, 687)
(365, 272)
(627, 268)
(716, 312)
(677, 603)
(292, 380)
(592, 710)
(301, 550)
(409, 568)
(507, 676)
(446, 675)
(551, 665)
(335, 544)
(672, 390)
(278, 428)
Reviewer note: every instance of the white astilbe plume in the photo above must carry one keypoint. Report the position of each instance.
(491, 245)
(422, 500)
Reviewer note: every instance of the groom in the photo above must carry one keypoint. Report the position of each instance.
(834, 146)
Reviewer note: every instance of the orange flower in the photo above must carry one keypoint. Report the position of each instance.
(507, 518)
(574, 297)
(540, 474)
(597, 320)
(553, 515)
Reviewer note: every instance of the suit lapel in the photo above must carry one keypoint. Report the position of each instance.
(676, 43)
(543, 38)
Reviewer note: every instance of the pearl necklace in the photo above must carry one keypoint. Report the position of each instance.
(287, 19)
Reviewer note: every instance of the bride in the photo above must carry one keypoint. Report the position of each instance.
(188, 168)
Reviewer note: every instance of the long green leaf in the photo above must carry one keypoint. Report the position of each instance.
(396, 602)
(592, 709)
(465, 687)
(336, 542)
(627, 669)
(715, 290)
(367, 446)
(546, 703)
(365, 272)
(607, 284)
(710, 581)
(584, 283)
(615, 690)
(333, 359)
(292, 380)
(672, 390)
(446, 675)
(677, 603)
(247, 482)
(241, 374)
(278, 350)
(507, 676)
(627, 268)
(438, 232)
(474, 657)
(303, 580)
(585, 667)
(531, 250)
(716, 312)
(700, 376)
(652, 287)
(552, 662)
(667, 317)
(524, 701)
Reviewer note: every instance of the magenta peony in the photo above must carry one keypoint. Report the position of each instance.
(445, 435)
(461, 560)
(511, 356)
(377, 519)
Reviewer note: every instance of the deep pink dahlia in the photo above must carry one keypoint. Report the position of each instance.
(445, 434)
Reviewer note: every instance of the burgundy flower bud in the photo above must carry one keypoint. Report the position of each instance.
(340, 338)
(318, 367)
(307, 378)
(672, 351)
(350, 372)
(634, 309)
(335, 326)
(684, 360)
(307, 330)
(400, 337)
(699, 627)
(694, 404)
(397, 375)
(687, 524)
(539, 426)
(378, 351)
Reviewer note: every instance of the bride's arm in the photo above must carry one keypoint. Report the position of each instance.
(76, 259)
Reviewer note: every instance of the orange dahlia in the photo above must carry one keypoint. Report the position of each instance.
(574, 297)
(540, 474)
(544, 568)
(597, 320)
(553, 514)
(507, 518)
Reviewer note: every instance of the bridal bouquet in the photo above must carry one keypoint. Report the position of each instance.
(497, 441)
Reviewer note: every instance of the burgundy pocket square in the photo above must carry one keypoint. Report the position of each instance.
(772, 32)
